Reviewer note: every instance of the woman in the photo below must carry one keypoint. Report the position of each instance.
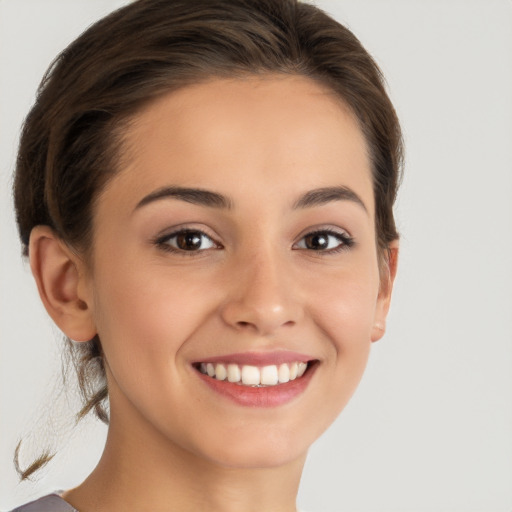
(204, 191)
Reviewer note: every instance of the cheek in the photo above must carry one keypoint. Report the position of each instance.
(343, 306)
(144, 320)
(150, 313)
(344, 303)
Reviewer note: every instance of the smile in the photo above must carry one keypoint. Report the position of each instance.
(258, 380)
(249, 375)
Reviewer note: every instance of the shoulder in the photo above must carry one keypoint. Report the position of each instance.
(50, 503)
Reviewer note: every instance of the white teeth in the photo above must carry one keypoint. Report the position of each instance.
(269, 376)
(301, 369)
(220, 372)
(234, 374)
(249, 375)
(284, 373)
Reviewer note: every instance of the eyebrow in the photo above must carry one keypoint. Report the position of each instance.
(190, 195)
(202, 197)
(321, 196)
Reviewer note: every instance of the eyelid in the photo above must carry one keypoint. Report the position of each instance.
(346, 239)
(186, 226)
(166, 234)
(325, 228)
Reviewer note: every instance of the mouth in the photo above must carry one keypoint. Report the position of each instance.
(254, 376)
(259, 384)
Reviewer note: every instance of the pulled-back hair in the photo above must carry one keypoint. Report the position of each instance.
(72, 140)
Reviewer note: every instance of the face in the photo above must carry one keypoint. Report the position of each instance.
(237, 247)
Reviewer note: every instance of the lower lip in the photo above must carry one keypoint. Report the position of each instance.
(267, 396)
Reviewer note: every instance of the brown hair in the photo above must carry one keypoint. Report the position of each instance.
(71, 140)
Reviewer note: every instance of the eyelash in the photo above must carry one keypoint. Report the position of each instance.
(346, 241)
(162, 242)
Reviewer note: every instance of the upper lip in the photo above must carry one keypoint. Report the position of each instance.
(259, 358)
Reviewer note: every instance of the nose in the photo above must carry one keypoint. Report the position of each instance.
(264, 295)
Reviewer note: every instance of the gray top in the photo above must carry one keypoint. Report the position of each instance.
(51, 503)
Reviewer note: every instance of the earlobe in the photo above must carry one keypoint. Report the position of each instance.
(388, 274)
(57, 273)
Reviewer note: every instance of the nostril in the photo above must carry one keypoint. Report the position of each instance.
(261, 316)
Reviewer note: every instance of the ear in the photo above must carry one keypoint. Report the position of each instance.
(387, 278)
(60, 278)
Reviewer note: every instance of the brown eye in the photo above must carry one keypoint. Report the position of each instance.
(188, 240)
(326, 241)
(317, 241)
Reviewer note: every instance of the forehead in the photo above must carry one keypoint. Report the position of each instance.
(285, 131)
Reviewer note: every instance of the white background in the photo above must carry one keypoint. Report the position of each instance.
(430, 428)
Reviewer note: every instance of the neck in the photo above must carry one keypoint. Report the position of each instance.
(159, 475)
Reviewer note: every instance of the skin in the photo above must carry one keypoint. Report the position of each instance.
(262, 142)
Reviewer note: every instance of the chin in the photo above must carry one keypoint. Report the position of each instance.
(259, 448)
(259, 458)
